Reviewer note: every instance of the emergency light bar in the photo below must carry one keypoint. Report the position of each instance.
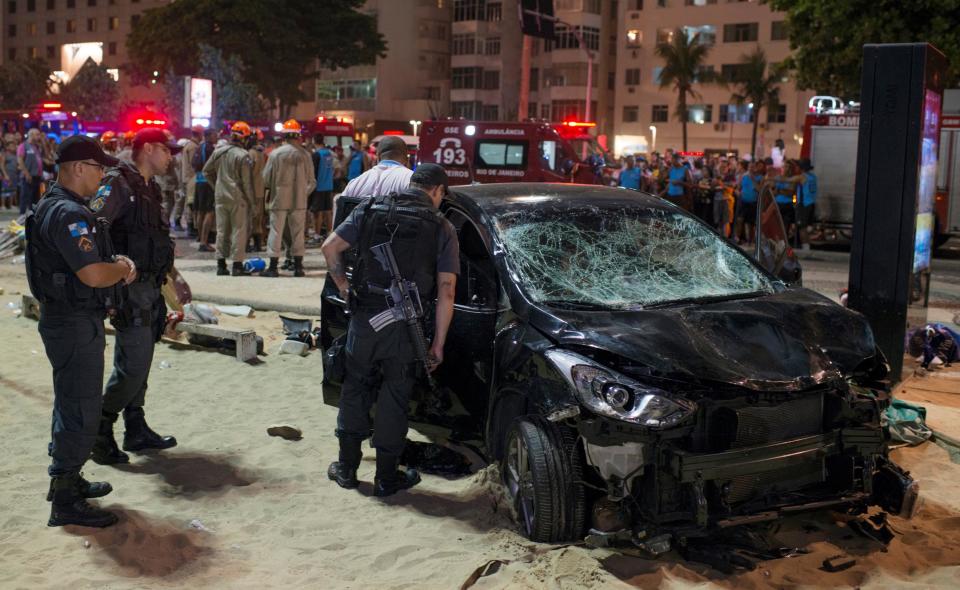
(51, 105)
(580, 123)
(393, 132)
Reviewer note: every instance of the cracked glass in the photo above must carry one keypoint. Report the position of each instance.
(622, 257)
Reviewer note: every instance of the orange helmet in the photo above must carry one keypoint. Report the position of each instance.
(291, 126)
(129, 135)
(108, 136)
(241, 129)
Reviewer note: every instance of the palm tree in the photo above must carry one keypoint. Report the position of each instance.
(758, 85)
(684, 58)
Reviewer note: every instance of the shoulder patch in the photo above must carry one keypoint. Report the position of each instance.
(85, 244)
(78, 229)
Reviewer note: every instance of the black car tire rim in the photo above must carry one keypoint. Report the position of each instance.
(519, 481)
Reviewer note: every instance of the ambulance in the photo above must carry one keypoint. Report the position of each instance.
(529, 151)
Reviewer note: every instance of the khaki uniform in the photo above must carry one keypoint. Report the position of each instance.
(288, 176)
(188, 176)
(259, 206)
(230, 171)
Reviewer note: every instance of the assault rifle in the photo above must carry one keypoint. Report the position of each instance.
(114, 295)
(403, 300)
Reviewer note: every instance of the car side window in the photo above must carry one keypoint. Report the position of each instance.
(477, 284)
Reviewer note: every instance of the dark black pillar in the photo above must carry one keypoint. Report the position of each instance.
(893, 90)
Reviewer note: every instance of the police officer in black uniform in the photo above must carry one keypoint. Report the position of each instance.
(74, 279)
(381, 365)
(132, 201)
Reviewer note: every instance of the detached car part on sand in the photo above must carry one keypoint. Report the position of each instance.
(637, 375)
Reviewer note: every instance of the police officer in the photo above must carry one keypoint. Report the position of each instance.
(70, 275)
(230, 171)
(130, 199)
(381, 365)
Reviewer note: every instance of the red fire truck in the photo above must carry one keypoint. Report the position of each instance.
(335, 131)
(830, 142)
(532, 151)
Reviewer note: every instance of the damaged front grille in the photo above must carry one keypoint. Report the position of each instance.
(743, 424)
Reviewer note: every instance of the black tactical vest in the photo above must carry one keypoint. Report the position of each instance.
(51, 281)
(413, 228)
(144, 236)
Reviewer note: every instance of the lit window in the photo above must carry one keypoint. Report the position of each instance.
(634, 38)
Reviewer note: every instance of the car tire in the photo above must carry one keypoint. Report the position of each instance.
(543, 476)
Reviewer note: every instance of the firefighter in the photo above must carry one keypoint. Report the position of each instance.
(289, 180)
(257, 221)
(129, 199)
(381, 365)
(188, 176)
(109, 142)
(230, 171)
(126, 146)
(69, 272)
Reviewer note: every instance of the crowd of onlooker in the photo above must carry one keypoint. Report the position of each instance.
(724, 190)
(28, 162)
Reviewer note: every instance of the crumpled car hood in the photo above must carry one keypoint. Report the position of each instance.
(792, 340)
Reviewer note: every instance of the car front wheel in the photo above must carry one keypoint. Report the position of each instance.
(542, 474)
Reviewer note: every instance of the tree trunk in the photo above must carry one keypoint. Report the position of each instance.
(753, 136)
(683, 117)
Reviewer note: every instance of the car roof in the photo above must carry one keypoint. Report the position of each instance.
(499, 198)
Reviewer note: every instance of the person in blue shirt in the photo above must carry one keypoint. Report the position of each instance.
(808, 201)
(320, 203)
(630, 175)
(784, 189)
(678, 179)
(357, 162)
(750, 184)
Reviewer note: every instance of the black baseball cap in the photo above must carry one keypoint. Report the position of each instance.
(145, 136)
(81, 147)
(430, 175)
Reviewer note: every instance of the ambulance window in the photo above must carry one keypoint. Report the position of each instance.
(501, 154)
(548, 153)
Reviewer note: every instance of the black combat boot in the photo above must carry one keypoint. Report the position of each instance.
(257, 244)
(86, 489)
(105, 451)
(271, 271)
(389, 480)
(238, 270)
(287, 264)
(70, 507)
(344, 471)
(222, 267)
(139, 437)
(298, 267)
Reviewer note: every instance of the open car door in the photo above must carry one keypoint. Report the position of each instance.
(773, 250)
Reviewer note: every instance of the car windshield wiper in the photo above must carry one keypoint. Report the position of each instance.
(706, 299)
(574, 304)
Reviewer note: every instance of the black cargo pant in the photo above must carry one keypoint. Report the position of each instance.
(381, 369)
(133, 350)
(74, 344)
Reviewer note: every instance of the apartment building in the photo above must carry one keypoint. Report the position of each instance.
(65, 33)
(461, 58)
(646, 114)
(486, 48)
(411, 83)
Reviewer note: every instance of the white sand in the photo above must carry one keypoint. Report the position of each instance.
(272, 518)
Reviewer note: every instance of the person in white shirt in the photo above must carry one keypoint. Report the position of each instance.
(390, 175)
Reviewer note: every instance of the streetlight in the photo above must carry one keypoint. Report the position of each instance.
(653, 145)
(416, 125)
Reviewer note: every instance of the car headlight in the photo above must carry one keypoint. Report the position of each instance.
(608, 393)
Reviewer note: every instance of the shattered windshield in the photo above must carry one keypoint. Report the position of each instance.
(622, 257)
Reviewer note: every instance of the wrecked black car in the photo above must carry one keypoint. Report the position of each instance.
(636, 374)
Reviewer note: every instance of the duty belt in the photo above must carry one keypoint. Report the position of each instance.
(64, 308)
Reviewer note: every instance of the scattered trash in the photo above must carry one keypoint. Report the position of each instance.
(13, 305)
(17, 259)
(875, 529)
(196, 524)
(199, 313)
(294, 325)
(1, 291)
(34, 352)
(86, 544)
(294, 347)
(240, 311)
(906, 422)
(285, 431)
(838, 563)
(165, 364)
(254, 264)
